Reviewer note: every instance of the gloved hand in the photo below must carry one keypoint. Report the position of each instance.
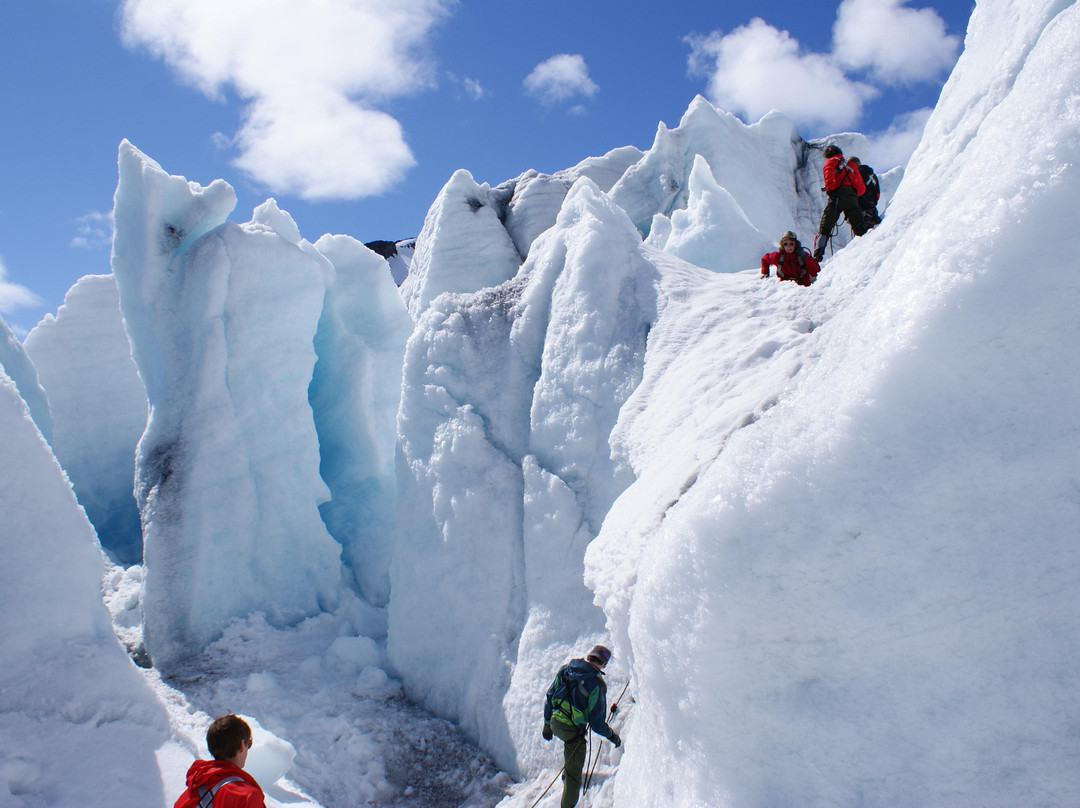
(764, 276)
(547, 732)
(615, 739)
(614, 709)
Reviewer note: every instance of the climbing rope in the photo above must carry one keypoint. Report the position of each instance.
(591, 769)
(560, 771)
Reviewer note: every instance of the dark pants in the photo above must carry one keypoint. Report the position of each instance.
(574, 751)
(845, 201)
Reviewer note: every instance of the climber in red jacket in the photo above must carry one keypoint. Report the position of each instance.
(792, 262)
(223, 778)
(843, 185)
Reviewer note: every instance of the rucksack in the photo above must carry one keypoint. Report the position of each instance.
(571, 700)
(870, 180)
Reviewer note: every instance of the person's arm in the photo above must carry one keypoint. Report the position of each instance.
(832, 180)
(547, 700)
(598, 713)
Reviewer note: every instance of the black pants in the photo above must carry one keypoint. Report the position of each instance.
(843, 200)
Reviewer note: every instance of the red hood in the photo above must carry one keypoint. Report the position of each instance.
(209, 772)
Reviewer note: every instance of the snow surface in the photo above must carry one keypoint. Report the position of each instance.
(830, 532)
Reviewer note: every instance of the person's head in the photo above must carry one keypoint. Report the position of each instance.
(833, 150)
(855, 161)
(229, 737)
(598, 656)
(788, 241)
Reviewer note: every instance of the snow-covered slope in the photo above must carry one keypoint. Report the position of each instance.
(76, 719)
(858, 586)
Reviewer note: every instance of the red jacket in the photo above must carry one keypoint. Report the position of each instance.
(838, 173)
(208, 773)
(788, 267)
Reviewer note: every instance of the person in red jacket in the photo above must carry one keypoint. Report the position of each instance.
(792, 262)
(222, 782)
(843, 185)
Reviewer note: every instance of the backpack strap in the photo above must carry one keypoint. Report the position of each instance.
(206, 795)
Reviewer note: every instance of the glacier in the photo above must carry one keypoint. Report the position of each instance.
(830, 533)
(226, 474)
(73, 352)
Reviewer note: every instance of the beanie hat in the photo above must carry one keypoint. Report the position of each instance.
(599, 655)
(788, 236)
(832, 150)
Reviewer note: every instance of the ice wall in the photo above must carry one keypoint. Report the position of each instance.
(99, 406)
(535, 198)
(355, 392)
(505, 471)
(222, 319)
(463, 245)
(867, 593)
(78, 719)
(712, 231)
(18, 367)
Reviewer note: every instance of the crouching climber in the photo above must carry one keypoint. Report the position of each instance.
(792, 262)
(577, 702)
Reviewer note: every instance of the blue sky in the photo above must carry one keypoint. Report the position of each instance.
(353, 118)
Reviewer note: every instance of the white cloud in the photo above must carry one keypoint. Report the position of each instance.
(559, 78)
(898, 45)
(14, 296)
(312, 73)
(895, 145)
(470, 87)
(473, 88)
(94, 231)
(757, 68)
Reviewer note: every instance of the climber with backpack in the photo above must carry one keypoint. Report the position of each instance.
(792, 261)
(222, 782)
(843, 186)
(869, 199)
(575, 703)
